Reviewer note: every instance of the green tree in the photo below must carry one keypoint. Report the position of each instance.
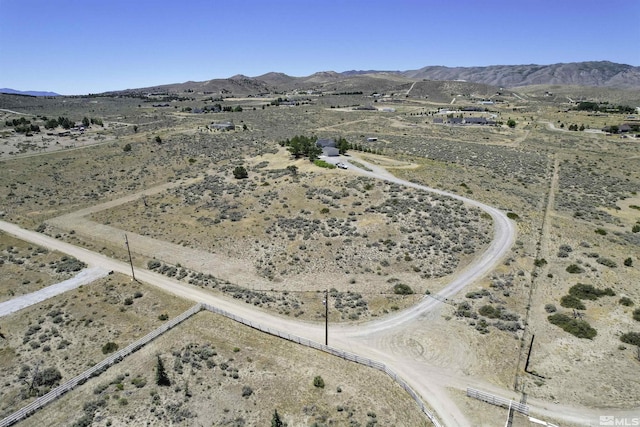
(313, 151)
(240, 172)
(158, 139)
(162, 379)
(275, 420)
(109, 347)
(126, 148)
(295, 148)
(85, 122)
(318, 382)
(511, 123)
(51, 124)
(64, 122)
(343, 145)
(293, 169)
(48, 377)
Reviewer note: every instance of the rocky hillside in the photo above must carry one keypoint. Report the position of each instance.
(601, 73)
(589, 74)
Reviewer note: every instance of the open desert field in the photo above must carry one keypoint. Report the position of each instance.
(554, 321)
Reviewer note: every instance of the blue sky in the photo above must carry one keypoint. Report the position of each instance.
(91, 46)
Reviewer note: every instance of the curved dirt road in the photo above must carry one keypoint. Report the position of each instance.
(371, 339)
(377, 340)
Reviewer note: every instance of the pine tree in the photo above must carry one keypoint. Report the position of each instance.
(161, 375)
(276, 421)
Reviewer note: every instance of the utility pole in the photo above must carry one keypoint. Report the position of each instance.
(126, 242)
(326, 317)
(526, 366)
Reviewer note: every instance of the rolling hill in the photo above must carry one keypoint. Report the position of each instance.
(602, 73)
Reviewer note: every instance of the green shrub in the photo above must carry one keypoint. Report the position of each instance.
(489, 311)
(631, 338)
(601, 231)
(318, 382)
(402, 289)
(550, 308)
(48, 377)
(607, 262)
(584, 291)
(323, 164)
(575, 269)
(570, 301)
(576, 327)
(636, 314)
(512, 215)
(636, 228)
(240, 172)
(628, 262)
(163, 317)
(626, 301)
(139, 382)
(540, 262)
(478, 294)
(153, 264)
(109, 347)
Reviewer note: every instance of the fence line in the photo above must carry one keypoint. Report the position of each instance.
(117, 357)
(498, 401)
(95, 370)
(334, 351)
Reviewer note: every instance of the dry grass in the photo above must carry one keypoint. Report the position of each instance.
(507, 168)
(26, 268)
(212, 362)
(68, 332)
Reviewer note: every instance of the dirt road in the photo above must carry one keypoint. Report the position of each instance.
(394, 340)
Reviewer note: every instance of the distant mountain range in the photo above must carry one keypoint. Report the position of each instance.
(27, 92)
(603, 74)
(594, 74)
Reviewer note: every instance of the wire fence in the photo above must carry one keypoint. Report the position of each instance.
(334, 351)
(95, 370)
(117, 357)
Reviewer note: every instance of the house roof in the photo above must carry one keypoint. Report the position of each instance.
(330, 152)
(476, 120)
(325, 143)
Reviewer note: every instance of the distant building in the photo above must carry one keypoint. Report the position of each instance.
(322, 143)
(222, 126)
(330, 152)
(474, 121)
